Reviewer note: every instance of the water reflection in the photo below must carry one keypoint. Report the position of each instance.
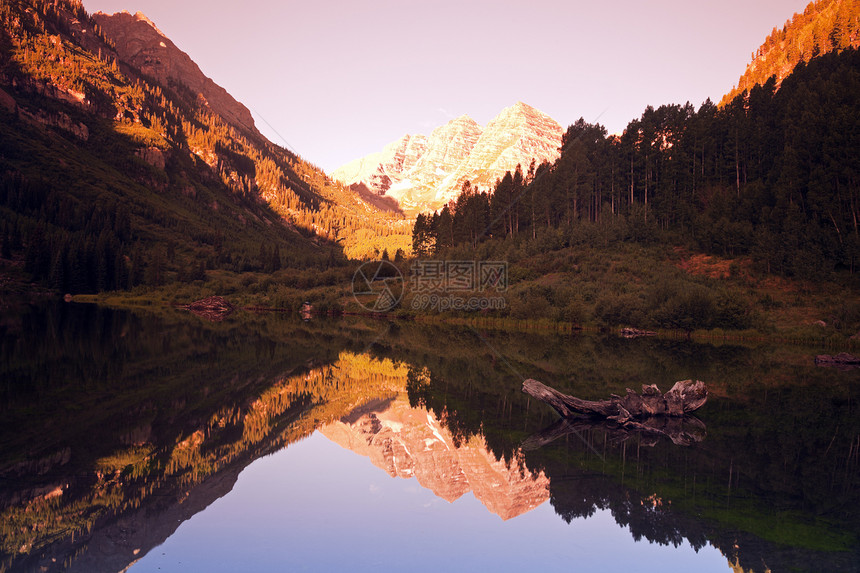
(273, 520)
(411, 442)
(683, 431)
(117, 427)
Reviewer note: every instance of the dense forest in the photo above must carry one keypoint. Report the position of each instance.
(774, 175)
(109, 179)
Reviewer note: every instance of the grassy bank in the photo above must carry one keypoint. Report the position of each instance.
(665, 290)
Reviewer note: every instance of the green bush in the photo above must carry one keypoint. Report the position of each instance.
(687, 305)
(846, 317)
(620, 310)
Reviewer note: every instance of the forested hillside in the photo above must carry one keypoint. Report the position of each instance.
(824, 26)
(109, 180)
(774, 175)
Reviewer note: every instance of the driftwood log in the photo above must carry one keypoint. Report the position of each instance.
(651, 412)
(684, 397)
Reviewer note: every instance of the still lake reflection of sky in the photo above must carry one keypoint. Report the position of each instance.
(317, 507)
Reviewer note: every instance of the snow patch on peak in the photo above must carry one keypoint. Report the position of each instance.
(141, 17)
(401, 186)
(457, 151)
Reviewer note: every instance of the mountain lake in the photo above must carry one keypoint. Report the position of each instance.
(155, 440)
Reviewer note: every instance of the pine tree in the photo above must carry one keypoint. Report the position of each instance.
(6, 251)
(275, 261)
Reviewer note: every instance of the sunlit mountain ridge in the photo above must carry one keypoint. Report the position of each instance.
(824, 26)
(425, 173)
(122, 164)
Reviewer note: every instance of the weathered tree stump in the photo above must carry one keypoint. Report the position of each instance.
(684, 397)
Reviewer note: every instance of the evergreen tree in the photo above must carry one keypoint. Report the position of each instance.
(772, 175)
(444, 229)
(6, 251)
(423, 236)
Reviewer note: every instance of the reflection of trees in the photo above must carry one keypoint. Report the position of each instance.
(683, 431)
(581, 483)
(776, 482)
(579, 495)
(667, 495)
(180, 407)
(159, 414)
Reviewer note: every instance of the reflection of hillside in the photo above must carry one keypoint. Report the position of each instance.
(108, 484)
(104, 520)
(775, 485)
(115, 428)
(671, 498)
(411, 442)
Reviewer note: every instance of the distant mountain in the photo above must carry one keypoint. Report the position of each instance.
(824, 26)
(424, 173)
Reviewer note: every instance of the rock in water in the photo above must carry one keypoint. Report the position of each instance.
(214, 308)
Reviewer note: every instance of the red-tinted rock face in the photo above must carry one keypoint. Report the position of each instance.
(456, 152)
(378, 171)
(516, 136)
(140, 43)
(410, 442)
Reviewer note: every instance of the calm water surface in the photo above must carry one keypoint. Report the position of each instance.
(317, 507)
(158, 441)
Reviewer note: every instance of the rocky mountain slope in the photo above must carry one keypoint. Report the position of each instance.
(139, 42)
(122, 164)
(424, 173)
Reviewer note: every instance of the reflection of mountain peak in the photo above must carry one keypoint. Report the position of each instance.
(410, 442)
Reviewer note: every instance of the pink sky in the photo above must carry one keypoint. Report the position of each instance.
(339, 79)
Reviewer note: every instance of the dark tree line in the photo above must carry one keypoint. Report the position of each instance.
(208, 164)
(67, 244)
(78, 247)
(774, 175)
